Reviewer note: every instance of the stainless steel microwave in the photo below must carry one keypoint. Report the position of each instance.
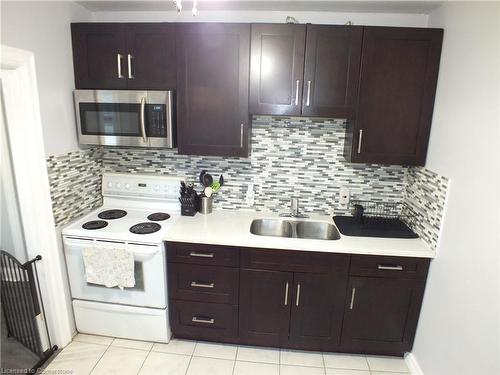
(125, 118)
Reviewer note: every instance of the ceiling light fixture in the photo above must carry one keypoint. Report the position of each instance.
(178, 7)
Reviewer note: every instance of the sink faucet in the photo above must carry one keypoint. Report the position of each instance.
(294, 211)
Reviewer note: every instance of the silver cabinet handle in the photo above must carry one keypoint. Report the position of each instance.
(241, 136)
(297, 300)
(143, 125)
(352, 298)
(297, 83)
(308, 93)
(202, 285)
(119, 58)
(286, 294)
(360, 140)
(390, 268)
(129, 63)
(201, 255)
(201, 320)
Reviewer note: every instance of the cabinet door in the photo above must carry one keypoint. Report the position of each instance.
(212, 84)
(381, 314)
(277, 69)
(151, 56)
(399, 70)
(317, 310)
(99, 55)
(265, 298)
(331, 72)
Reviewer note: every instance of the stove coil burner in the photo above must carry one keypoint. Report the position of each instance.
(159, 216)
(94, 224)
(111, 214)
(145, 228)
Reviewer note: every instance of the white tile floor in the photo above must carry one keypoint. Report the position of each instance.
(98, 355)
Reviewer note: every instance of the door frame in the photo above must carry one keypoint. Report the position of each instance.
(24, 134)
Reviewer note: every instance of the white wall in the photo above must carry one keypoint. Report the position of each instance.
(44, 28)
(458, 331)
(373, 19)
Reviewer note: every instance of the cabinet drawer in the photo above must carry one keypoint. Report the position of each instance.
(201, 320)
(294, 261)
(180, 252)
(203, 283)
(388, 266)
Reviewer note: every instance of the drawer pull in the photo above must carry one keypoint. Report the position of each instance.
(390, 268)
(201, 255)
(286, 293)
(202, 285)
(351, 305)
(204, 321)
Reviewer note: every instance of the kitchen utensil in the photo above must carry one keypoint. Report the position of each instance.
(202, 173)
(215, 187)
(207, 180)
(208, 192)
(221, 180)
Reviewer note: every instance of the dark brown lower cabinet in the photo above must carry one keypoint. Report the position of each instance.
(295, 299)
(265, 298)
(381, 314)
(204, 321)
(317, 309)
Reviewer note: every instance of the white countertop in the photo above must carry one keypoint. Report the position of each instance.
(232, 228)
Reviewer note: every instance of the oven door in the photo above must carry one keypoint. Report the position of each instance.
(124, 118)
(150, 274)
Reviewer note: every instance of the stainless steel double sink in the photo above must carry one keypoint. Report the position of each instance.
(315, 230)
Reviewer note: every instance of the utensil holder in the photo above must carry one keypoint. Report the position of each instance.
(206, 205)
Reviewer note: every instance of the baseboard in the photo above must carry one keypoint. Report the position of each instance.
(412, 363)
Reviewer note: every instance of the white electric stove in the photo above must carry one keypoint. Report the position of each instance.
(137, 211)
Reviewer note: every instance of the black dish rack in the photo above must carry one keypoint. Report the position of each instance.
(378, 219)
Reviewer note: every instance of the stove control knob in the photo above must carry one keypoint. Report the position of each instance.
(156, 187)
(127, 186)
(118, 185)
(110, 184)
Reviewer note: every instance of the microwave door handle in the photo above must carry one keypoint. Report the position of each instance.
(143, 126)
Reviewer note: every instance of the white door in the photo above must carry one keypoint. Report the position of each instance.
(11, 233)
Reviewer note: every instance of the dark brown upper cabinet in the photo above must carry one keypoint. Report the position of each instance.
(212, 89)
(99, 51)
(151, 50)
(124, 56)
(331, 72)
(308, 70)
(399, 70)
(277, 68)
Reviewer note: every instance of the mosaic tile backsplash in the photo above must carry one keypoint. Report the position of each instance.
(425, 196)
(75, 184)
(299, 157)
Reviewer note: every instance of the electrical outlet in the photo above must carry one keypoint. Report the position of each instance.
(345, 196)
(250, 195)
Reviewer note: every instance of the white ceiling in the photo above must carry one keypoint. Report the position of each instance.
(409, 7)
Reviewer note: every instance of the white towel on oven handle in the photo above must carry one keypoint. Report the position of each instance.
(109, 266)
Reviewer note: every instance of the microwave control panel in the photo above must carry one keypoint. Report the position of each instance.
(156, 120)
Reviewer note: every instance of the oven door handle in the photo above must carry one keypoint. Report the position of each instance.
(146, 253)
(143, 125)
